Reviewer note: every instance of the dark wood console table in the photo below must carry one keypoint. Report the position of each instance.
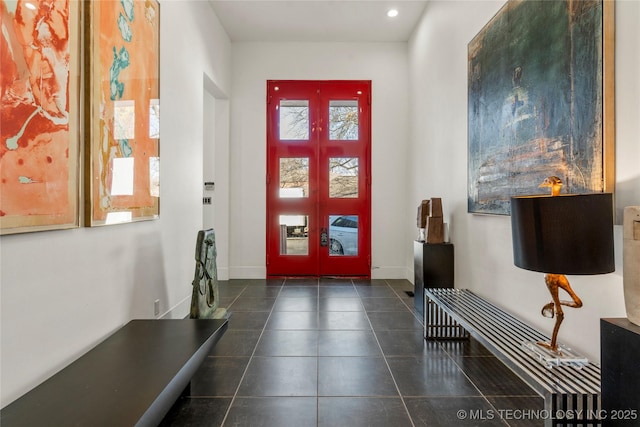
(619, 350)
(432, 268)
(130, 379)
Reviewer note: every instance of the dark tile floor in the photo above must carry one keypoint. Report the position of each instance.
(329, 352)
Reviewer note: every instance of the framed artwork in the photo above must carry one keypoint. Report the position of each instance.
(40, 113)
(540, 101)
(122, 182)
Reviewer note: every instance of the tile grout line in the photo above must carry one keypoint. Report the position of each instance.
(244, 373)
(318, 357)
(453, 359)
(412, 309)
(473, 382)
(384, 357)
(365, 297)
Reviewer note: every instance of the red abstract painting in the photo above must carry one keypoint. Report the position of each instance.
(123, 181)
(39, 107)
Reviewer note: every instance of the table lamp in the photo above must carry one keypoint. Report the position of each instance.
(562, 234)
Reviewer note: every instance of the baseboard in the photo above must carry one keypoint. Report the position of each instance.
(410, 275)
(390, 273)
(261, 273)
(247, 272)
(178, 311)
(223, 273)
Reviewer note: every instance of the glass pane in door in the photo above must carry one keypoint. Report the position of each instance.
(343, 120)
(294, 235)
(294, 177)
(343, 235)
(294, 119)
(343, 177)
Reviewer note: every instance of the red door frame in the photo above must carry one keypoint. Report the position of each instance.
(318, 206)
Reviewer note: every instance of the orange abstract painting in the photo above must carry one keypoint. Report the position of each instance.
(39, 108)
(124, 102)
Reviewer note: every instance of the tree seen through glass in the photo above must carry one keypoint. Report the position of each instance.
(343, 120)
(343, 125)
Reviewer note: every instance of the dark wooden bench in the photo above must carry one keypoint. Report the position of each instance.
(571, 392)
(132, 378)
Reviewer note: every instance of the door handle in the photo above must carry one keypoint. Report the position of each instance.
(324, 237)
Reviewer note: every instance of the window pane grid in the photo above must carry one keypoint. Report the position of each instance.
(343, 235)
(294, 120)
(294, 177)
(343, 177)
(343, 120)
(294, 234)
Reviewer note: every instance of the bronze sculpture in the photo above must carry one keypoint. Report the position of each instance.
(555, 282)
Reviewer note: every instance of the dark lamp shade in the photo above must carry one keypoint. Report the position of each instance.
(566, 234)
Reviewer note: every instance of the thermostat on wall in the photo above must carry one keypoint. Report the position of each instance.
(209, 185)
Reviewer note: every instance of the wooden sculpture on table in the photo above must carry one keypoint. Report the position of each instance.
(421, 219)
(430, 221)
(435, 222)
(555, 282)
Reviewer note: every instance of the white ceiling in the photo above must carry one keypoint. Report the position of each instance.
(318, 21)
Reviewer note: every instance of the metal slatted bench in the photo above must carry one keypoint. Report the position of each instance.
(130, 379)
(569, 392)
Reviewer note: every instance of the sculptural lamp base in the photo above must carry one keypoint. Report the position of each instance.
(568, 234)
(563, 356)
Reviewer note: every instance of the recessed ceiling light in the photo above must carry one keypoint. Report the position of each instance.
(30, 6)
(392, 13)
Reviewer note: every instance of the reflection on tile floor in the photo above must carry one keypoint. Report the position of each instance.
(340, 352)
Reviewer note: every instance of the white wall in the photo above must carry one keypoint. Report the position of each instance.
(438, 164)
(255, 63)
(61, 292)
(215, 164)
(64, 291)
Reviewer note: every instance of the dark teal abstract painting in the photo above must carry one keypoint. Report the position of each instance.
(536, 102)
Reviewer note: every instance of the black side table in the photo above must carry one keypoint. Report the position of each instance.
(619, 350)
(432, 268)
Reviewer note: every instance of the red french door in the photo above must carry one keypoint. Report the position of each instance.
(318, 178)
